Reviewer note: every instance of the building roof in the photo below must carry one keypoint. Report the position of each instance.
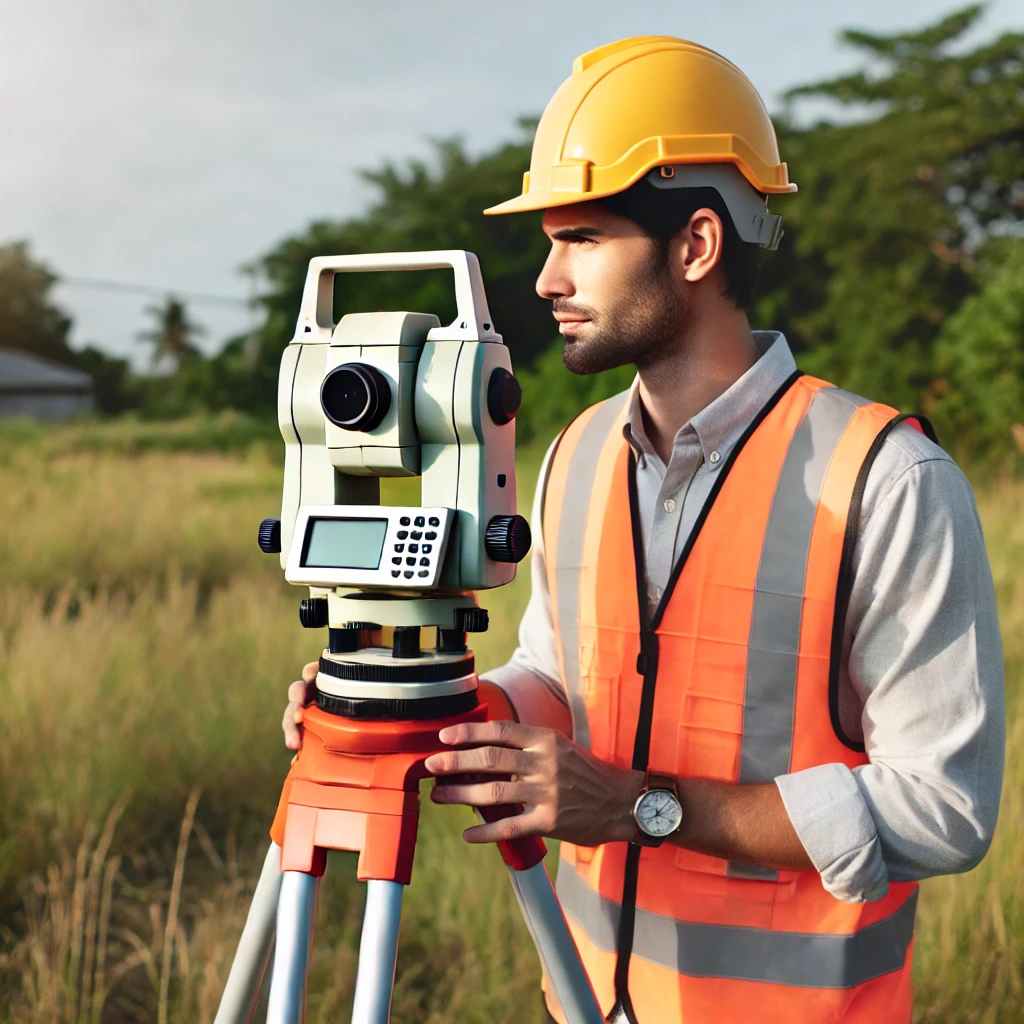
(22, 372)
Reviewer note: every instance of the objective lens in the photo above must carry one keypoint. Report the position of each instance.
(355, 396)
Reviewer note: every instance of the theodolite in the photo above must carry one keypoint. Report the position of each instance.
(392, 394)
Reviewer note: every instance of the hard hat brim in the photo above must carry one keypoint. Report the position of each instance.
(531, 201)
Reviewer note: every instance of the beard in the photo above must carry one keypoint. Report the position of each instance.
(639, 329)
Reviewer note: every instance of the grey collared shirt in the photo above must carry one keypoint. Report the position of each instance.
(921, 677)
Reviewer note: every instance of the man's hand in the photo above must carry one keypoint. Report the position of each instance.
(565, 792)
(300, 693)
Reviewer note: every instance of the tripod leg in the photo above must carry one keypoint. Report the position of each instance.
(378, 951)
(296, 911)
(242, 990)
(554, 941)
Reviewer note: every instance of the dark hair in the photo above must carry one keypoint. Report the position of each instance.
(663, 213)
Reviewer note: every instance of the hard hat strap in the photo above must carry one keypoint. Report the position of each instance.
(747, 207)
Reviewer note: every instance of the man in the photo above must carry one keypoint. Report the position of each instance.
(759, 684)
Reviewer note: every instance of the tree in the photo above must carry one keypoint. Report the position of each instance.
(173, 333)
(29, 320)
(897, 205)
(978, 395)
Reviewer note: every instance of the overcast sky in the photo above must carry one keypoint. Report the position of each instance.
(168, 144)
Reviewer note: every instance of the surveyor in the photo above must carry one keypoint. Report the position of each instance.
(758, 692)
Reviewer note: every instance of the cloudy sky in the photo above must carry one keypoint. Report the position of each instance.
(167, 144)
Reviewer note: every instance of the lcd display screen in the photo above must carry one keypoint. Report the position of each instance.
(344, 543)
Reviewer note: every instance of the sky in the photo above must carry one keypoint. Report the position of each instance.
(170, 144)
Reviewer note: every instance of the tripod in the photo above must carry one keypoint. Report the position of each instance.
(355, 786)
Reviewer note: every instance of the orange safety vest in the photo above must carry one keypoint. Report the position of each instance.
(733, 677)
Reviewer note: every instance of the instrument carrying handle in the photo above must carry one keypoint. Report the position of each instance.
(472, 322)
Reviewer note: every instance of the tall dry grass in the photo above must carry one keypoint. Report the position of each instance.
(145, 645)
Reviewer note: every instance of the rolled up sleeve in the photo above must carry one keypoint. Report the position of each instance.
(923, 657)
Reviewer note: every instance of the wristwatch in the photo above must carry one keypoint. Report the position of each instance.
(657, 812)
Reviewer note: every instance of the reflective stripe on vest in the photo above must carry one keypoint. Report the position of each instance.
(593, 429)
(741, 695)
(745, 954)
(778, 602)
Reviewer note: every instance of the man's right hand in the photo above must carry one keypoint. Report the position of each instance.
(300, 693)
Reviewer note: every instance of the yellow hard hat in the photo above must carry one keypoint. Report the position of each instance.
(645, 103)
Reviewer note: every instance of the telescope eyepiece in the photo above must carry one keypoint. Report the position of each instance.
(355, 396)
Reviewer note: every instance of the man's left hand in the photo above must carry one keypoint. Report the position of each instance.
(565, 791)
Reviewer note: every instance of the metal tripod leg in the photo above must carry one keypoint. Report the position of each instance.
(242, 992)
(296, 911)
(543, 915)
(378, 951)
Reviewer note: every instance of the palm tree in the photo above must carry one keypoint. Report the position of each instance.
(173, 332)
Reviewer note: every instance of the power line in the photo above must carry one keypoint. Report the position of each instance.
(99, 284)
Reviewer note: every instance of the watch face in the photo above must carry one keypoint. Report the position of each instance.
(658, 813)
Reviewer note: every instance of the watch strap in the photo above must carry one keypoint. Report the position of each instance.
(654, 780)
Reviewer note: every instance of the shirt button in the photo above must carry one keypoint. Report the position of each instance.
(670, 505)
(714, 458)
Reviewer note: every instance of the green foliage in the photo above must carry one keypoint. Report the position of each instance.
(894, 205)
(978, 398)
(29, 320)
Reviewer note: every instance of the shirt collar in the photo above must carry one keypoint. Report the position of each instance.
(720, 424)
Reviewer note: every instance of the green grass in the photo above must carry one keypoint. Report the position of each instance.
(145, 648)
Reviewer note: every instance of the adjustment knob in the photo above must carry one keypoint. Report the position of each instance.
(471, 620)
(313, 612)
(269, 538)
(508, 538)
(504, 396)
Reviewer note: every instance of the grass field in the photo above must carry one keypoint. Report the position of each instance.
(145, 647)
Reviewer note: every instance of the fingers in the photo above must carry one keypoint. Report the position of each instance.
(290, 724)
(300, 693)
(493, 760)
(485, 794)
(516, 827)
(502, 734)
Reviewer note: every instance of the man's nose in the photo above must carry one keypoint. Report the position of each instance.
(553, 281)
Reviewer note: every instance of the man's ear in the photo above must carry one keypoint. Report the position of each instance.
(702, 240)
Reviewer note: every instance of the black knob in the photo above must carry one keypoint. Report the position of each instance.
(406, 642)
(504, 396)
(451, 641)
(270, 536)
(343, 641)
(471, 620)
(508, 538)
(313, 612)
(355, 396)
